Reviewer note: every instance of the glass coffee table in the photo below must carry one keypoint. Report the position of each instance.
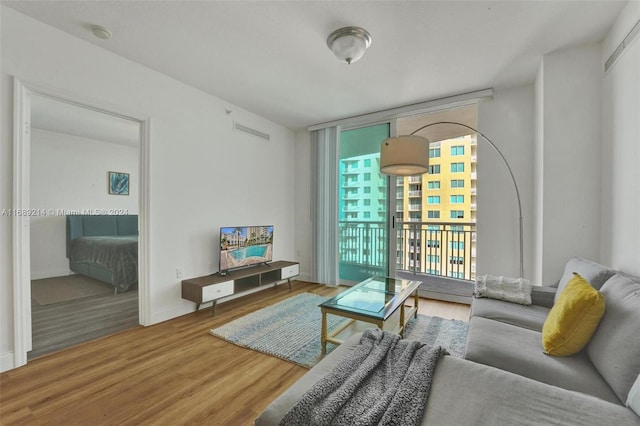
(374, 301)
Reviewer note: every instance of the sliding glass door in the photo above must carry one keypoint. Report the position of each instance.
(418, 227)
(363, 213)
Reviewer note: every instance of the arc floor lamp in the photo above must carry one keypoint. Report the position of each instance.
(408, 155)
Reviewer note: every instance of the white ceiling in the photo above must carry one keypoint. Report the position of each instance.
(62, 117)
(271, 58)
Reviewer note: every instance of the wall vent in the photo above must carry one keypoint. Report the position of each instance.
(622, 46)
(242, 128)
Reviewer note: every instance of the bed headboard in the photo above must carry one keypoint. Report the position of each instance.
(100, 225)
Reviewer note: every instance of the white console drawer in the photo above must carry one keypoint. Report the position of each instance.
(217, 291)
(290, 271)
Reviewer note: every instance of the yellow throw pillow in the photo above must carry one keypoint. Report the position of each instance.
(573, 318)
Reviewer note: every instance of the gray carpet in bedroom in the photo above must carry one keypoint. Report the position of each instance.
(60, 325)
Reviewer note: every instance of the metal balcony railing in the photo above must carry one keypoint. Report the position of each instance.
(441, 249)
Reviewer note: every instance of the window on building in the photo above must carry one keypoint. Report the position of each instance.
(367, 190)
(434, 169)
(456, 260)
(367, 177)
(367, 162)
(366, 215)
(456, 245)
(434, 152)
(453, 274)
(366, 202)
(433, 259)
(457, 150)
(434, 184)
(433, 227)
(433, 214)
(433, 199)
(457, 214)
(457, 183)
(456, 199)
(457, 167)
(433, 243)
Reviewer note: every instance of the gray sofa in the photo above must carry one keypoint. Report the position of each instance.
(506, 379)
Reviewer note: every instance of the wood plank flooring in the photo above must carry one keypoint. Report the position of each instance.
(172, 373)
(65, 324)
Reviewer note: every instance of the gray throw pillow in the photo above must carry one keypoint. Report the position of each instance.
(594, 273)
(615, 346)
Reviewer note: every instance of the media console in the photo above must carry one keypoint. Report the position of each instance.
(210, 288)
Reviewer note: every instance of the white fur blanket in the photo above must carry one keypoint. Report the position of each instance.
(516, 290)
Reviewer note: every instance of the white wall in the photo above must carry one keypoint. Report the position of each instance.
(568, 163)
(203, 174)
(70, 173)
(507, 120)
(620, 206)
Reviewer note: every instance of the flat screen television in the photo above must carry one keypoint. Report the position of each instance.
(244, 246)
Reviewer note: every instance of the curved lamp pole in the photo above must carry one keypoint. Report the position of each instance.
(410, 156)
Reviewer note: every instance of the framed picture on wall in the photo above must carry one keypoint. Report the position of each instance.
(118, 183)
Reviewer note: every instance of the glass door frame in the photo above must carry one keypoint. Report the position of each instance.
(391, 194)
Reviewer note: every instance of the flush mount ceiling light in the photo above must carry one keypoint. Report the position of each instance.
(349, 43)
(101, 32)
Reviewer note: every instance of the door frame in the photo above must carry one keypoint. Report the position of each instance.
(391, 201)
(23, 93)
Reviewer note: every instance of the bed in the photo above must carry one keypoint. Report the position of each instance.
(105, 248)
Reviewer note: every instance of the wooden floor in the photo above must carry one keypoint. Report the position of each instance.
(65, 324)
(172, 373)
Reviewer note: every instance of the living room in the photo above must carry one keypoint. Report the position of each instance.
(569, 133)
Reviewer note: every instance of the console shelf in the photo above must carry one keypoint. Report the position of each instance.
(210, 288)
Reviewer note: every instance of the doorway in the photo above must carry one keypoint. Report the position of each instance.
(363, 219)
(61, 146)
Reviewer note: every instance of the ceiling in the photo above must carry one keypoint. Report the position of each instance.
(62, 117)
(271, 58)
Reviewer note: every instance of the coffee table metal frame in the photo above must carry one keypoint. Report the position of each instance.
(409, 288)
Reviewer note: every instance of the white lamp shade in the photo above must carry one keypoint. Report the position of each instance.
(404, 156)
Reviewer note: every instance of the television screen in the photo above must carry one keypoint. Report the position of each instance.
(242, 246)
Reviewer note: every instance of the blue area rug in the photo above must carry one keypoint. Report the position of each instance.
(291, 330)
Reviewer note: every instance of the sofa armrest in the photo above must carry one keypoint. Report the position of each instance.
(543, 295)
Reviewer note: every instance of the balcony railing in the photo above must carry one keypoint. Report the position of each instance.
(441, 249)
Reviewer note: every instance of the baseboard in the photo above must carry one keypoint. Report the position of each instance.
(7, 362)
(170, 312)
(39, 275)
(445, 297)
(303, 277)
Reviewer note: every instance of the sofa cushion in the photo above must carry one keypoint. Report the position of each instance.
(467, 393)
(573, 319)
(519, 350)
(594, 273)
(531, 316)
(614, 349)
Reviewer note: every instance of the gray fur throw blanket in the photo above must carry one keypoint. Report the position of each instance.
(515, 290)
(385, 381)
